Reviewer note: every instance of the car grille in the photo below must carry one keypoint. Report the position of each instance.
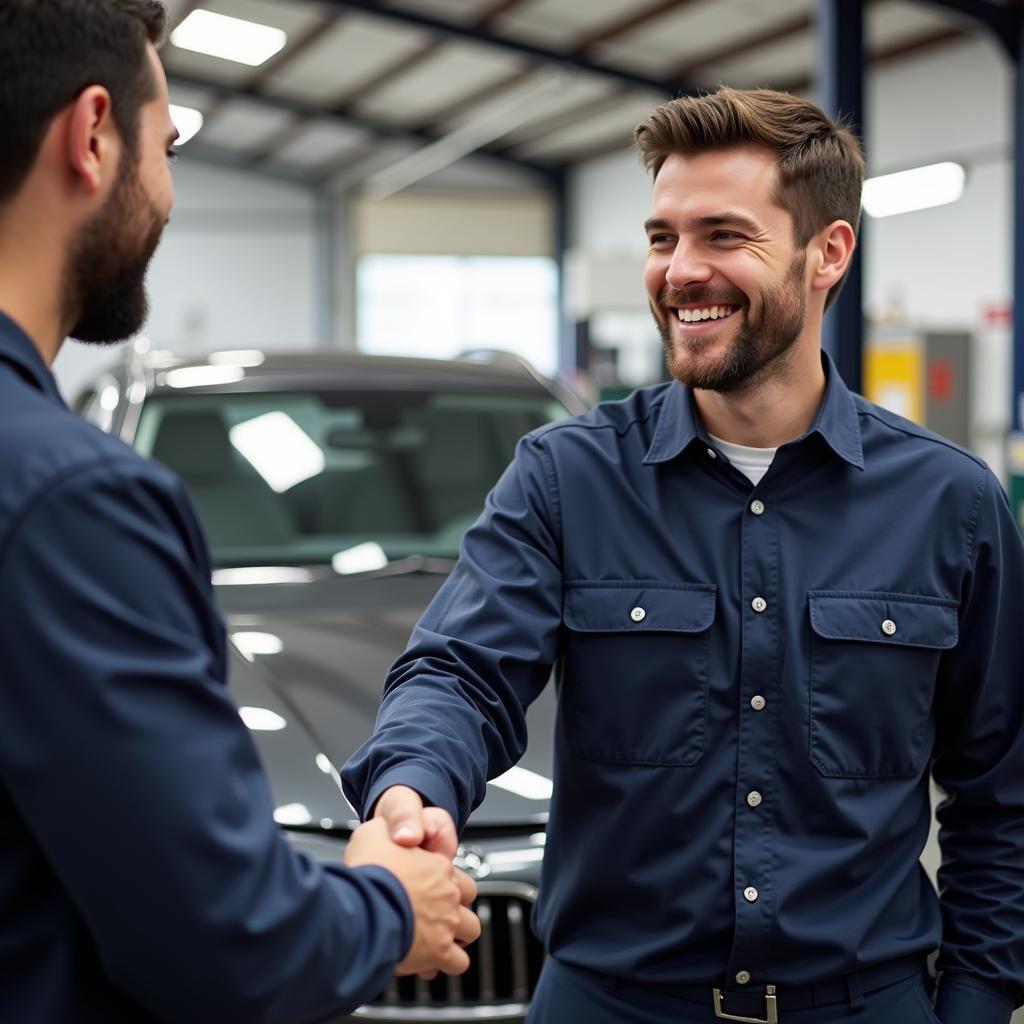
(504, 966)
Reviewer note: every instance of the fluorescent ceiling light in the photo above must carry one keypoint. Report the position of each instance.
(525, 783)
(257, 643)
(202, 376)
(292, 814)
(362, 558)
(917, 189)
(279, 449)
(187, 121)
(217, 35)
(262, 719)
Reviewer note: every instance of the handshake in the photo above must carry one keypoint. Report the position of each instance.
(417, 844)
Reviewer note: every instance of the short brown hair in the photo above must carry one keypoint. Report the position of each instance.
(821, 166)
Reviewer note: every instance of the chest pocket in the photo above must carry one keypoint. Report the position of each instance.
(874, 658)
(635, 670)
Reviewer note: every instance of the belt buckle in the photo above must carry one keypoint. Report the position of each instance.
(771, 1006)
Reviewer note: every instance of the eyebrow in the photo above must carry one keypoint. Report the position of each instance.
(173, 137)
(718, 220)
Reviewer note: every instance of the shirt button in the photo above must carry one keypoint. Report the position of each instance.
(743, 977)
(638, 615)
(754, 798)
(712, 454)
(757, 507)
(757, 703)
(888, 627)
(759, 604)
(750, 894)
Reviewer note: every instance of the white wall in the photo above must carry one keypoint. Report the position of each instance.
(940, 265)
(236, 268)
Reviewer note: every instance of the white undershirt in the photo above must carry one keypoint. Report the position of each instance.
(753, 463)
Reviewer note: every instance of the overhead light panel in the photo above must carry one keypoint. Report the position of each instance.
(187, 121)
(217, 35)
(916, 189)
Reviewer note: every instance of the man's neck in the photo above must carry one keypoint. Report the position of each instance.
(777, 407)
(31, 268)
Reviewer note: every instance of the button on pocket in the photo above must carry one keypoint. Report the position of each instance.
(635, 670)
(874, 657)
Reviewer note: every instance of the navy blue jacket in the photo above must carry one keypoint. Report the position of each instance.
(142, 876)
(754, 683)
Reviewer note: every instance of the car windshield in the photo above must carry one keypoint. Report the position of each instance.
(353, 479)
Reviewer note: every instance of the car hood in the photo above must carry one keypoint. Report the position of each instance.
(315, 655)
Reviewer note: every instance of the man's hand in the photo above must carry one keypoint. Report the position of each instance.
(440, 897)
(412, 824)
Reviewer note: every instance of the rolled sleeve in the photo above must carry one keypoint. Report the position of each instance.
(453, 713)
(130, 766)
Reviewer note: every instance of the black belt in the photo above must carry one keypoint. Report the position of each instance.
(761, 1004)
(749, 1004)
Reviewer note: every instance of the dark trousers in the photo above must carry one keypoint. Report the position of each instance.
(568, 995)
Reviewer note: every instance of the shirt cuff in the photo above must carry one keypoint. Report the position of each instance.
(399, 898)
(964, 999)
(434, 789)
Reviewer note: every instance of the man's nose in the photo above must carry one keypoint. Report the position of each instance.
(687, 268)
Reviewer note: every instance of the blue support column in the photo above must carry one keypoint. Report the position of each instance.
(840, 86)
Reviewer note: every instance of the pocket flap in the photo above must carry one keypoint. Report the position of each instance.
(639, 606)
(901, 619)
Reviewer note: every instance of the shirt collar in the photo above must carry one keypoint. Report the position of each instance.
(837, 423)
(16, 347)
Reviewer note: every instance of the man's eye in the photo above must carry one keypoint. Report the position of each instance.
(725, 236)
(658, 239)
(172, 154)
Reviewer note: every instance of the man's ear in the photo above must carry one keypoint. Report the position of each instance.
(830, 254)
(93, 141)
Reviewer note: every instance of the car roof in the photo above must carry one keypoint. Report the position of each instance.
(340, 371)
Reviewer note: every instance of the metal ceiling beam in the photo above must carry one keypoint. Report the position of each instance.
(523, 49)
(226, 93)
(922, 44)
(629, 23)
(1001, 21)
(633, 21)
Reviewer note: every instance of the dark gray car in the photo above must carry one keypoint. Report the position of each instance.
(334, 490)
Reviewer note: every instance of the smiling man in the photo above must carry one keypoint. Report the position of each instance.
(142, 875)
(773, 609)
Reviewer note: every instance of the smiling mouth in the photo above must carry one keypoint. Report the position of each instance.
(698, 314)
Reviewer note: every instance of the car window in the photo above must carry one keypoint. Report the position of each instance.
(357, 478)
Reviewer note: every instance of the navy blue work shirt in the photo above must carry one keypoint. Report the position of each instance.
(142, 876)
(753, 685)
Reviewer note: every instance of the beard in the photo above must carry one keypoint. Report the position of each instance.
(105, 277)
(760, 340)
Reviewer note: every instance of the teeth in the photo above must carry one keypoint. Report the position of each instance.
(689, 316)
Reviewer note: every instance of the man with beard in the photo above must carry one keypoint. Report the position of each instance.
(142, 876)
(773, 609)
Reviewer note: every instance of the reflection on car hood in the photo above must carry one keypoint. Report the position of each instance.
(317, 655)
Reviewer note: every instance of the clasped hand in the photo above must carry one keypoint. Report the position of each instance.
(417, 844)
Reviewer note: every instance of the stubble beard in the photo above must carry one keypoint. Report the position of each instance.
(759, 344)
